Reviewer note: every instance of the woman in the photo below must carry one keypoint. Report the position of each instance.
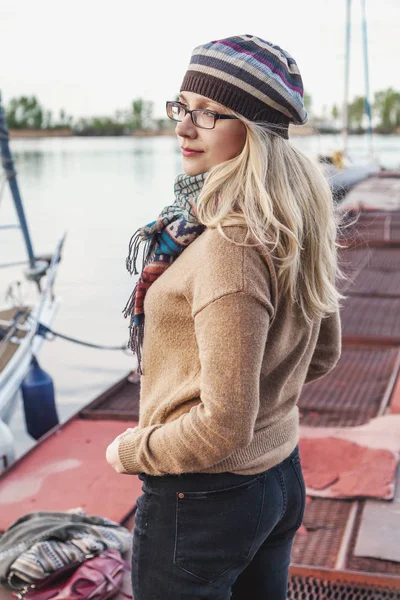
(240, 311)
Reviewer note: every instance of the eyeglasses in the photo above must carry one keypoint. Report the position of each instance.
(205, 119)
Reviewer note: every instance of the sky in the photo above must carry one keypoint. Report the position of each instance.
(93, 57)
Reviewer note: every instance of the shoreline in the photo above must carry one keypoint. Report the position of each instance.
(65, 132)
(68, 133)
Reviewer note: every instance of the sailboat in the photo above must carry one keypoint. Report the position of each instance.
(340, 170)
(20, 318)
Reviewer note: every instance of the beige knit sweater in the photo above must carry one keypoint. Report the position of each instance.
(224, 361)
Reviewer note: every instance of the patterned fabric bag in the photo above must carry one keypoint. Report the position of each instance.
(97, 578)
(43, 544)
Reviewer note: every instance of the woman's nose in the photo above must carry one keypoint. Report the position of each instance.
(185, 128)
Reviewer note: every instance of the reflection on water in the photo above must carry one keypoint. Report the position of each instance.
(100, 191)
(30, 162)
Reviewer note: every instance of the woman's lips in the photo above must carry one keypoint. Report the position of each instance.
(189, 152)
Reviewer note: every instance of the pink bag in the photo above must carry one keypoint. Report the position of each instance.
(97, 578)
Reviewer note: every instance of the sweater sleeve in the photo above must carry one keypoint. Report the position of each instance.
(328, 349)
(231, 334)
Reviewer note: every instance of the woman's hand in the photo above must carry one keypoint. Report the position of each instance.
(112, 455)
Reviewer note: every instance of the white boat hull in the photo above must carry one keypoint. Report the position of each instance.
(16, 369)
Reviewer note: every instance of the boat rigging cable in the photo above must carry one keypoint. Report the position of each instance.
(43, 330)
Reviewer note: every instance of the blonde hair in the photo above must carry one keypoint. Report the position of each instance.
(287, 205)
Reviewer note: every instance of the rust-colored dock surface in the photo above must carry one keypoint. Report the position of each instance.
(357, 390)
(362, 386)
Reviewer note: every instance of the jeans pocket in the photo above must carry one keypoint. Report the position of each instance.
(215, 530)
(296, 464)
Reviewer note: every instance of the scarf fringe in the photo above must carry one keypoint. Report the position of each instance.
(134, 245)
(134, 248)
(136, 332)
(136, 343)
(130, 305)
(131, 260)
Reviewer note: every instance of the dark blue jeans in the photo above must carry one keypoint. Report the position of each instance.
(217, 536)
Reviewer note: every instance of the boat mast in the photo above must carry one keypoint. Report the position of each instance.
(366, 76)
(346, 80)
(8, 165)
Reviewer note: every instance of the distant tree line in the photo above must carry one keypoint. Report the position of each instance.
(26, 112)
(385, 111)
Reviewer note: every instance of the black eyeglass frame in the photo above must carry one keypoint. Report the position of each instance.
(216, 116)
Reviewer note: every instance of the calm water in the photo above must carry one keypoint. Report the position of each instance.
(100, 191)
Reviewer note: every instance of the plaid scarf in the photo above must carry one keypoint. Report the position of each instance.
(175, 228)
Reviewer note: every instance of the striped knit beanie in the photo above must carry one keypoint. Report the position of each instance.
(253, 77)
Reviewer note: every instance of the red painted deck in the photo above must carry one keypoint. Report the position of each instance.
(68, 470)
